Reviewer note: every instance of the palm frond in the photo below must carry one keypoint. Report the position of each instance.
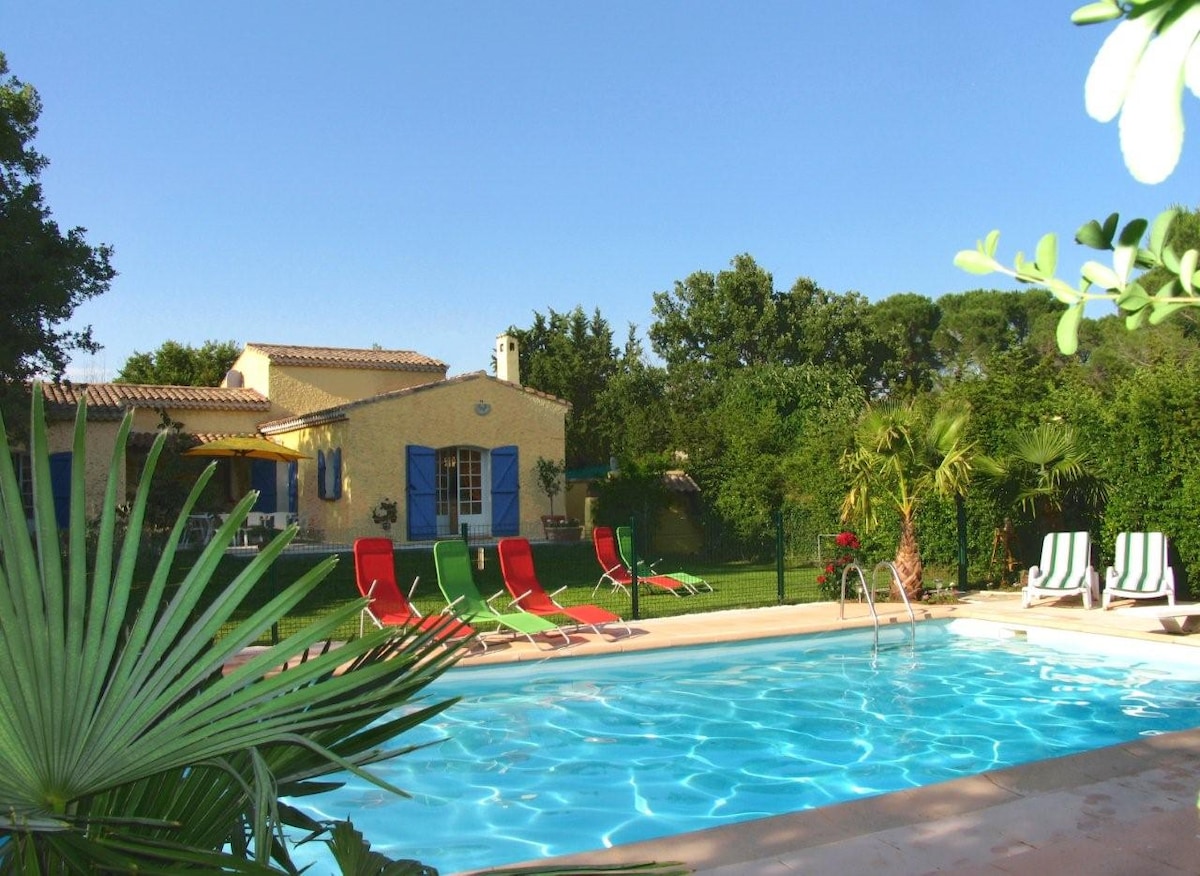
(124, 742)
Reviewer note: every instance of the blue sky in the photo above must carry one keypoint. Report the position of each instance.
(423, 175)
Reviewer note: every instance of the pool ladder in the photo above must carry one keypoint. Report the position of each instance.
(869, 594)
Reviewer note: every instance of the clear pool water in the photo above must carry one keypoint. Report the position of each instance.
(569, 755)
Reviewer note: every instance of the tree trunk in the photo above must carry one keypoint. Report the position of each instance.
(908, 562)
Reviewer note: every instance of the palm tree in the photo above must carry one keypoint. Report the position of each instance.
(1046, 474)
(900, 458)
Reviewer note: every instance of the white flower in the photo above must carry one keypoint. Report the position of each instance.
(1140, 72)
(1151, 124)
(1191, 70)
(1113, 68)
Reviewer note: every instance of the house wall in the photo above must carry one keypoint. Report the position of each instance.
(571, 502)
(255, 368)
(200, 420)
(332, 517)
(677, 528)
(374, 439)
(102, 439)
(300, 390)
(447, 417)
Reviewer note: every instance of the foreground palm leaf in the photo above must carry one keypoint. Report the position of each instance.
(123, 742)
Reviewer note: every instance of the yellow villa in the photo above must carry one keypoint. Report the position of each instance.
(377, 428)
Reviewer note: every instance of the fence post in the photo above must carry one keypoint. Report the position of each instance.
(960, 509)
(779, 591)
(465, 536)
(633, 568)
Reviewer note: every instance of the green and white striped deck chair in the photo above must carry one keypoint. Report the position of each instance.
(1140, 569)
(1065, 569)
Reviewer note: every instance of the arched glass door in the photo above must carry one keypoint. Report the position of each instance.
(462, 496)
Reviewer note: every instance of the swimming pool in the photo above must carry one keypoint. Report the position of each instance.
(569, 755)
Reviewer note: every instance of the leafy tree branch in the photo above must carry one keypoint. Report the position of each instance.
(1139, 73)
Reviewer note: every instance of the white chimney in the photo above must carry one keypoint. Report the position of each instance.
(508, 366)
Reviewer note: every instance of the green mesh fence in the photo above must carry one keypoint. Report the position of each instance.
(761, 573)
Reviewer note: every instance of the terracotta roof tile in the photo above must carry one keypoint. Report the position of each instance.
(111, 400)
(143, 440)
(341, 357)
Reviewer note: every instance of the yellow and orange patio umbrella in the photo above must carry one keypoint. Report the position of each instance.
(247, 447)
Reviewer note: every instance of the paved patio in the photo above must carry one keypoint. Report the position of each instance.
(1129, 809)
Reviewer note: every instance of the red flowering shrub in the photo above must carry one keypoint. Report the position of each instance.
(847, 540)
(829, 582)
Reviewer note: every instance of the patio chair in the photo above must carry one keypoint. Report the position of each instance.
(625, 546)
(1140, 569)
(453, 564)
(1065, 569)
(520, 577)
(617, 573)
(375, 577)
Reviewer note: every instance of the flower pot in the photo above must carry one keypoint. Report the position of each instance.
(552, 521)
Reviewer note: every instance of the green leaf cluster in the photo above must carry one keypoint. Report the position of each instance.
(1139, 72)
(45, 272)
(176, 364)
(1116, 281)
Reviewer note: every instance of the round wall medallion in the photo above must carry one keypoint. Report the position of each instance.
(483, 408)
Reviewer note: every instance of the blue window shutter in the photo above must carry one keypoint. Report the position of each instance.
(506, 492)
(262, 478)
(293, 487)
(320, 474)
(421, 507)
(335, 489)
(60, 486)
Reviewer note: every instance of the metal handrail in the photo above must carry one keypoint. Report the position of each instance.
(869, 594)
(862, 583)
(899, 586)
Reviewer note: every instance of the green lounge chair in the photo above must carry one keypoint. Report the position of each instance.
(453, 564)
(1065, 569)
(1140, 569)
(647, 570)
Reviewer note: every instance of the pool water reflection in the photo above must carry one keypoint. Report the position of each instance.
(569, 755)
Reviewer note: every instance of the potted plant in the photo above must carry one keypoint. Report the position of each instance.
(385, 513)
(560, 528)
(549, 478)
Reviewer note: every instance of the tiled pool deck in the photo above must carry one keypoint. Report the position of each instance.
(1128, 809)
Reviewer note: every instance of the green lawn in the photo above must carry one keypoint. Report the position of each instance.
(736, 585)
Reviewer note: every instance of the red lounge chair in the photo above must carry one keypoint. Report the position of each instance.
(375, 576)
(615, 571)
(516, 565)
